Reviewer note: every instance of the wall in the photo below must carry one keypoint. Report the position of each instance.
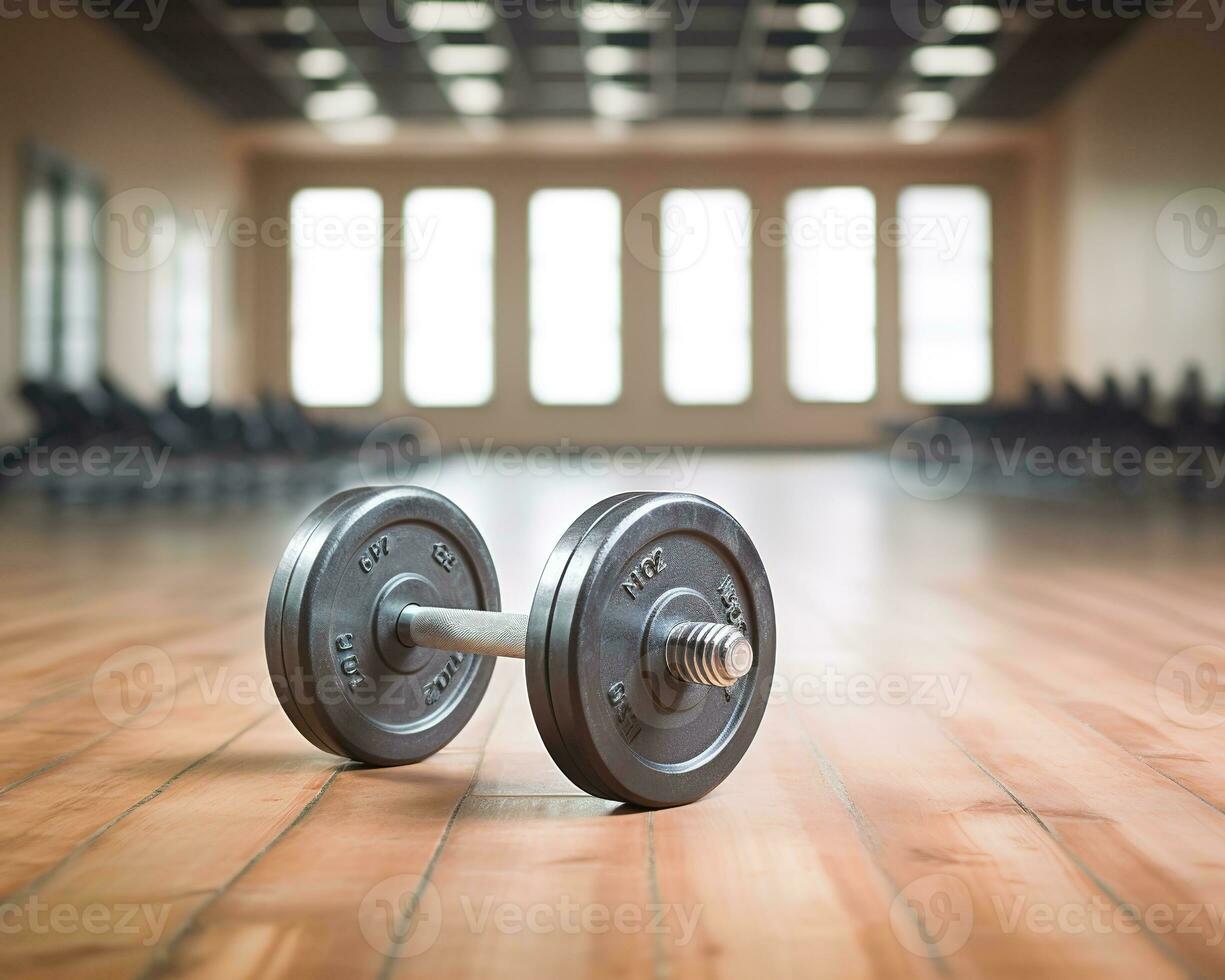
(1143, 129)
(80, 88)
(766, 163)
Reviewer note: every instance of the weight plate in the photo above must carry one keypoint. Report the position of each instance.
(539, 623)
(274, 614)
(643, 567)
(360, 689)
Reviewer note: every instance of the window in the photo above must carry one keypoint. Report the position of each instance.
(705, 251)
(61, 273)
(181, 305)
(946, 294)
(336, 291)
(831, 294)
(448, 296)
(575, 242)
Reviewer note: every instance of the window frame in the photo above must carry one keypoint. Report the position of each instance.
(992, 296)
(43, 167)
(380, 295)
(877, 396)
(751, 325)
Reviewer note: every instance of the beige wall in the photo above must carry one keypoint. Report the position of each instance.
(1145, 128)
(80, 88)
(767, 165)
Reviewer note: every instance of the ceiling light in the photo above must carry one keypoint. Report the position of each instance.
(928, 106)
(459, 16)
(617, 18)
(469, 59)
(820, 18)
(334, 105)
(808, 59)
(613, 59)
(908, 130)
(797, 96)
(299, 20)
(616, 101)
(943, 60)
(972, 18)
(475, 96)
(322, 63)
(372, 129)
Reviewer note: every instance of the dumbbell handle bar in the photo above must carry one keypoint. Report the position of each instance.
(701, 653)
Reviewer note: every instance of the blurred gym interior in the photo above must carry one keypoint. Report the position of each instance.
(930, 297)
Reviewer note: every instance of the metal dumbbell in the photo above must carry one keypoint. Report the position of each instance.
(649, 647)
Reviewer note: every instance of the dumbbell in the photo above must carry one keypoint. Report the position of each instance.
(649, 645)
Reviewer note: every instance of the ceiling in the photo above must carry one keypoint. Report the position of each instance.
(387, 60)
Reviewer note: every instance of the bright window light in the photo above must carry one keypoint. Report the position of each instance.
(181, 319)
(475, 96)
(575, 241)
(469, 59)
(952, 61)
(831, 294)
(347, 102)
(38, 285)
(928, 106)
(82, 289)
(820, 18)
(705, 248)
(322, 63)
(448, 296)
(336, 289)
(972, 18)
(945, 261)
(615, 59)
(807, 59)
(613, 100)
(450, 16)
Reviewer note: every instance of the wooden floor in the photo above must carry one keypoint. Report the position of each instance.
(980, 758)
